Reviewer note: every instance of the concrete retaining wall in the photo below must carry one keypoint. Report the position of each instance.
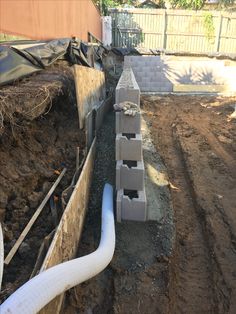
(131, 201)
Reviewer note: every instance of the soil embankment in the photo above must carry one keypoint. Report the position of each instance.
(38, 139)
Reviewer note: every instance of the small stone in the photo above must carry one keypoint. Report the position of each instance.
(34, 199)
(18, 203)
(25, 209)
(24, 249)
(3, 199)
(15, 226)
(8, 235)
(224, 139)
(2, 214)
(46, 186)
(24, 171)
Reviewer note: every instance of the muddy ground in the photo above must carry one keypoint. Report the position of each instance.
(33, 152)
(197, 142)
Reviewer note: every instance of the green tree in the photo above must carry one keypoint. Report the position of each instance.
(104, 5)
(197, 4)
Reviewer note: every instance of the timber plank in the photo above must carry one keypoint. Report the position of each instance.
(67, 236)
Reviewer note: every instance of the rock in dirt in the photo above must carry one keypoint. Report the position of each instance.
(2, 214)
(34, 199)
(3, 198)
(224, 139)
(18, 203)
(8, 234)
(24, 249)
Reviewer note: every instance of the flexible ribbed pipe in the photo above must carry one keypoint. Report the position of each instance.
(43, 288)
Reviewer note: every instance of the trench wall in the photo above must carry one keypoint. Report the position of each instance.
(90, 90)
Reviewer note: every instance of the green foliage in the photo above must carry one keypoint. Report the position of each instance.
(196, 4)
(209, 26)
(188, 4)
(104, 5)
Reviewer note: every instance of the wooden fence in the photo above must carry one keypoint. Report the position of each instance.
(178, 30)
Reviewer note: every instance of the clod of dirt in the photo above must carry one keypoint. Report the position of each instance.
(35, 198)
(24, 250)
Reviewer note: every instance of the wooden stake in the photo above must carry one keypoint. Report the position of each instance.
(32, 220)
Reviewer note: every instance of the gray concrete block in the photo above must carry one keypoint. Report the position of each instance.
(131, 209)
(165, 89)
(129, 175)
(152, 89)
(127, 88)
(128, 124)
(128, 94)
(129, 149)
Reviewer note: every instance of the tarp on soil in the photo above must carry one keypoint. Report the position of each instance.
(16, 63)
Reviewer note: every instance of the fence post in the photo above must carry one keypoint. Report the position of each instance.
(217, 43)
(164, 19)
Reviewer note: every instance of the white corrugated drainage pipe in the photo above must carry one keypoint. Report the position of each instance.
(43, 288)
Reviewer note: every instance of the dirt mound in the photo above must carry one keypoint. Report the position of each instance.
(31, 159)
(31, 97)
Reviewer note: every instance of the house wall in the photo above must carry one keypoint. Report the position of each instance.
(40, 19)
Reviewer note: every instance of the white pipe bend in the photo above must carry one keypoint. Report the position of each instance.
(40, 290)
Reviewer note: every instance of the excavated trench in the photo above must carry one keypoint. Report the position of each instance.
(159, 267)
(196, 140)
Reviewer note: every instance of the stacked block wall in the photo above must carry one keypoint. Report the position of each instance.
(164, 73)
(129, 149)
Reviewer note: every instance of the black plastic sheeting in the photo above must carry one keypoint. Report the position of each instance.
(156, 52)
(17, 63)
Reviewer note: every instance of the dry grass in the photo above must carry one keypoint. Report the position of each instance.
(31, 97)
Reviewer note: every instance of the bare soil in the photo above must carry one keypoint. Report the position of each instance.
(197, 142)
(32, 154)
